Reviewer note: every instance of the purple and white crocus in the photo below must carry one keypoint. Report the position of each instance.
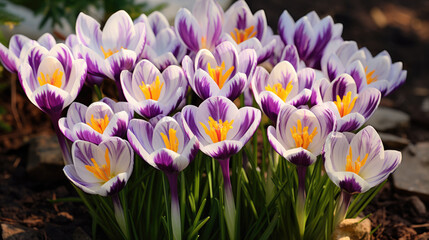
(283, 86)
(102, 169)
(378, 72)
(166, 147)
(221, 73)
(18, 46)
(97, 122)
(202, 28)
(52, 79)
(151, 92)
(356, 163)
(299, 137)
(115, 48)
(248, 31)
(222, 130)
(351, 108)
(163, 48)
(310, 34)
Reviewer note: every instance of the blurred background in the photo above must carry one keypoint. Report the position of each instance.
(400, 27)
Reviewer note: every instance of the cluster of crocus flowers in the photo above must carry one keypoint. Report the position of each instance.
(369, 72)
(314, 87)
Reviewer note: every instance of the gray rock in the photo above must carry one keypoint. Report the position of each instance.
(387, 119)
(353, 228)
(80, 234)
(391, 141)
(418, 205)
(412, 174)
(15, 232)
(45, 160)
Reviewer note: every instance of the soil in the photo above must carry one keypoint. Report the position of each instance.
(400, 27)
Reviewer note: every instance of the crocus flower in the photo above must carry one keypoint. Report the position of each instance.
(118, 47)
(248, 31)
(222, 130)
(218, 73)
(102, 169)
(352, 109)
(310, 34)
(367, 71)
(202, 28)
(18, 46)
(163, 48)
(299, 137)
(52, 80)
(283, 86)
(166, 147)
(97, 122)
(151, 92)
(356, 163)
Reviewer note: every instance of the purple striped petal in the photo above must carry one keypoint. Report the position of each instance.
(188, 29)
(286, 28)
(290, 54)
(222, 150)
(122, 60)
(50, 99)
(203, 85)
(233, 88)
(300, 157)
(367, 102)
(88, 31)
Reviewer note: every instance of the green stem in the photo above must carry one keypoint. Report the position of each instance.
(119, 214)
(175, 208)
(98, 92)
(229, 198)
(300, 204)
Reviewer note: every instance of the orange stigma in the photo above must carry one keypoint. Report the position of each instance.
(240, 36)
(218, 130)
(153, 90)
(301, 136)
(55, 80)
(171, 142)
(99, 124)
(345, 105)
(103, 172)
(217, 73)
(355, 166)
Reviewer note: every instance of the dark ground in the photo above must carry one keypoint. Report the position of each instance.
(400, 27)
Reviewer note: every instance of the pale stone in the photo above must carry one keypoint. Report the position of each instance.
(391, 141)
(412, 174)
(385, 119)
(13, 232)
(353, 229)
(45, 160)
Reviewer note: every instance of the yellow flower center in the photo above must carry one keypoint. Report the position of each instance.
(346, 104)
(171, 142)
(99, 124)
(301, 136)
(217, 73)
(109, 52)
(55, 80)
(153, 90)
(369, 76)
(279, 90)
(218, 130)
(354, 166)
(240, 36)
(103, 172)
